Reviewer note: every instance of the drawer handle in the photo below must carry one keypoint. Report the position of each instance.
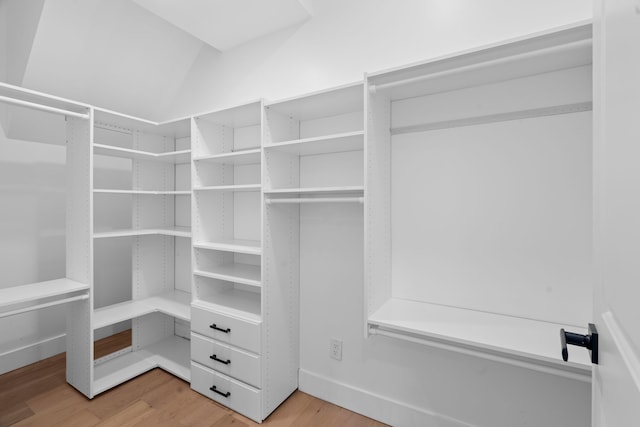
(214, 357)
(215, 390)
(214, 326)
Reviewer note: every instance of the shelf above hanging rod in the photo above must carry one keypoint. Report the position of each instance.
(493, 118)
(302, 200)
(41, 107)
(561, 50)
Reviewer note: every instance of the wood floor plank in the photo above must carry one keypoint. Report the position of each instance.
(38, 395)
(130, 416)
(84, 418)
(118, 398)
(201, 412)
(14, 414)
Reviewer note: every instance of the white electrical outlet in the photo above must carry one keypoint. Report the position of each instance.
(335, 349)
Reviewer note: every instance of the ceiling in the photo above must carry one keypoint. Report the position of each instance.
(224, 24)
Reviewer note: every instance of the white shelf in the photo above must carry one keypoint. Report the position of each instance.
(181, 156)
(166, 231)
(171, 354)
(330, 102)
(245, 157)
(144, 192)
(337, 143)
(251, 247)
(175, 304)
(36, 291)
(347, 190)
(234, 302)
(522, 340)
(232, 188)
(238, 273)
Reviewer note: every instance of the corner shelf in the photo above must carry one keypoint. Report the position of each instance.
(171, 354)
(165, 231)
(143, 192)
(174, 304)
(180, 156)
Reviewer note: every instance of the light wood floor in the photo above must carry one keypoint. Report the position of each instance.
(38, 395)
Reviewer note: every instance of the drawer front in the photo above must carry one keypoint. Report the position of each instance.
(228, 360)
(240, 333)
(241, 397)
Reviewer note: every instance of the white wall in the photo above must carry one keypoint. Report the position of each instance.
(346, 38)
(398, 382)
(32, 244)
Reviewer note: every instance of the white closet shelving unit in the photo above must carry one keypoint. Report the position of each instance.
(227, 348)
(313, 145)
(143, 197)
(478, 207)
(54, 113)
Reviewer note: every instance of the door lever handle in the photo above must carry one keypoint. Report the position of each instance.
(589, 341)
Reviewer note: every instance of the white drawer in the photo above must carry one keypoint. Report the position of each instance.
(230, 330)
(230, 393)
(226, 359)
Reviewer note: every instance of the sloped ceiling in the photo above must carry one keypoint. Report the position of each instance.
(224, 24)
(110, 53)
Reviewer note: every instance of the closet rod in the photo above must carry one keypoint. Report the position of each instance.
(44, 305)
(41, 107)
(565, 48)
(318, 200)
(493, 118)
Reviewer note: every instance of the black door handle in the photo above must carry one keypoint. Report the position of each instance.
(589, 341)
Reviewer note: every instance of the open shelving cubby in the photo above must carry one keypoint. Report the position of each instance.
(313, 145)
(142, 220)
(478, 208)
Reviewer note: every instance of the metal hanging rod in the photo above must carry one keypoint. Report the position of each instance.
(317, 200)
(44, 305)
(41, 107)
(493, 118)
(474, 67)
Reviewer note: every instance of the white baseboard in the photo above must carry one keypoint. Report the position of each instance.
(31, 353)
(372, 405)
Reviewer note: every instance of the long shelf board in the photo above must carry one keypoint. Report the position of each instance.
(337, 143)
(35, 291)
(166, 231)
(234, 302)
(245, 157)
(175, 304)
(251, 247)
(227, 188)
(351, 190)
(523, 340)
(180, 156)
(171, 354)
(238, 273)
(143, 192)
(325, 103)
